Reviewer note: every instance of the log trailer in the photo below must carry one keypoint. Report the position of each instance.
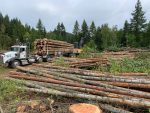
(19, 54)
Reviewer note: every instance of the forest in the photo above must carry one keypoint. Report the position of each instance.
(135, 33)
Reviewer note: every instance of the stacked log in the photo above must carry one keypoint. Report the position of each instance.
(44, 46)
(84, 62)
(90, 62)
(85, 84)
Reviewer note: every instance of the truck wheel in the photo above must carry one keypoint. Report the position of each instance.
(40, 60)
(15, 63)
(48, 59)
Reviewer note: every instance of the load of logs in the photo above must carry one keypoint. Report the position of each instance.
(44, 46)
(129, 89)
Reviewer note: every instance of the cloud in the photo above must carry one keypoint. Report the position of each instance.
(113, 12)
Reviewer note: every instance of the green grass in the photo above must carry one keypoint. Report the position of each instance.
(8, 90)
(3, 70)
(60, 62)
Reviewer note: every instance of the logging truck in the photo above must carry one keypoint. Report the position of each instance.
(20, 54)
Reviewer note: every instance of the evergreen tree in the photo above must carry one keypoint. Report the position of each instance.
(125, 34)
(84, 32)
(40, 28)
(44, 32)
(113, 40)
(62, 30)
(58, 29)
(98, 39)
(138, 21)
(76, 31)
(92, 30)
(1, 18)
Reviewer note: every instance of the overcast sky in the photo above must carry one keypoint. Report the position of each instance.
(113, 12)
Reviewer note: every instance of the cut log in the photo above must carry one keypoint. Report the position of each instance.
(133, 74)
(134, 103)
(84, 90)
(115, 79)
(113, 109)
(126, 92)
(119, 89)
(128, 85)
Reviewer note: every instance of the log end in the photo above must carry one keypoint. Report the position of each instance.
(84, 108)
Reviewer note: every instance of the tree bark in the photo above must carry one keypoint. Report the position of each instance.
(92, 97)
(49, 80)
(113, 109)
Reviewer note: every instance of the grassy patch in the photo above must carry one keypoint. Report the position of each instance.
(60, 62)
(141, 63)
(130, 65)
(8, 90)
(2, 70)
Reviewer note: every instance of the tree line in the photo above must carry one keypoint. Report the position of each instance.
(135, 33)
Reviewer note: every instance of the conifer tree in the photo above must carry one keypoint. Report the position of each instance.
(92, 30)
(138, 21)
(125, 34)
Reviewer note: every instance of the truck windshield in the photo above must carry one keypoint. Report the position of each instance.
(15, 49)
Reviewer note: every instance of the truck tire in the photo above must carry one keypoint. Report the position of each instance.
(40, 60)
(48, 59)
(15, 63)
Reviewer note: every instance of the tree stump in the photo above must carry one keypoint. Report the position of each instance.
(84, 108)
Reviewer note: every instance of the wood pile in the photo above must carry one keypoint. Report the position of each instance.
(130, 90)
(118, 55)
(83, 62)
(90, 62)
(126, 53)
(44, 46)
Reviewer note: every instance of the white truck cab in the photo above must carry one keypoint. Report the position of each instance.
(19, 54)
(13, 57)
(20, 50)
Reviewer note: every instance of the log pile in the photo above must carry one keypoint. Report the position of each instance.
(126, 53)
(118, 55)
(88, 63)
(83, 62)
(104, 88)
(44, 46)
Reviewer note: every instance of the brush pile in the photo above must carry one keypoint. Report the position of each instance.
(130, 90)
(44, 46)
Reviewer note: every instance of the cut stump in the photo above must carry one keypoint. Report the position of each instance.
(84, 108)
